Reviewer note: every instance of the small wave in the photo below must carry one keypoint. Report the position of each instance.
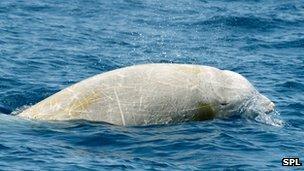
(4, 110)
(297, 43)
(257, 43)
(297, 106)
(249, 22)
(292, 85)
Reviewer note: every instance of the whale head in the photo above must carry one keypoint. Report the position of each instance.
(237, 96)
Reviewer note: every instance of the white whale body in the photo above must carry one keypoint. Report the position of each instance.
(154, 94)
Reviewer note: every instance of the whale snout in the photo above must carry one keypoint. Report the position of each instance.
(270, 108)
(267, 105)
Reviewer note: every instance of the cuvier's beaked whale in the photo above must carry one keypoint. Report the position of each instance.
(154, 94)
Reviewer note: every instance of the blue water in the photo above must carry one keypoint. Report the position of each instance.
(47, 45)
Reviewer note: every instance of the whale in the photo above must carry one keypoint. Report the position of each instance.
(158, 93)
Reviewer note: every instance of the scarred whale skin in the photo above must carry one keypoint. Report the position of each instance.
(153, 94)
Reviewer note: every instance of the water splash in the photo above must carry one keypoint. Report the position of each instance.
(20, 109)
(270, 119)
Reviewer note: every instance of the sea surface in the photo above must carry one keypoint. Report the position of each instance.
(47, 45)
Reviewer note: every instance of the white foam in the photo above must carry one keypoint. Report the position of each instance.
(20, 109)
(270, 119)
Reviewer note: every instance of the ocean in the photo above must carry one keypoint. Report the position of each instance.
(47, 45)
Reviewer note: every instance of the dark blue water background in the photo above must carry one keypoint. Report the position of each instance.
(47, 45)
